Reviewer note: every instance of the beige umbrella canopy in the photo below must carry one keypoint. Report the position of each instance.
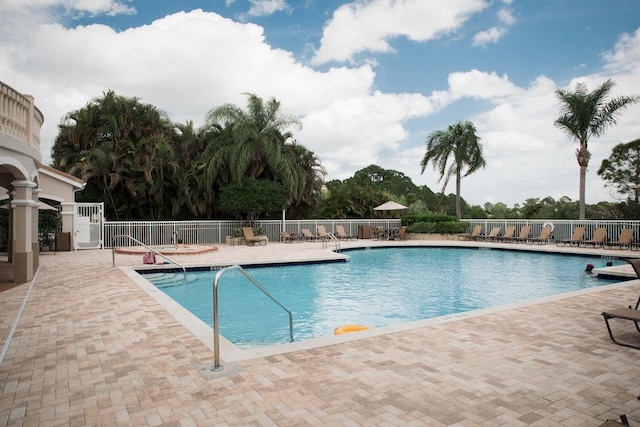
(390, 206)
(41, 206)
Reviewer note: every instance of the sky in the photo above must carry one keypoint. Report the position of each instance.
(368, 79)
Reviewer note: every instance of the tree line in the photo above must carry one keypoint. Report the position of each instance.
(245, 163)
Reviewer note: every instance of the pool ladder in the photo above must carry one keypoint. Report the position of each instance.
(216, 330)
(113, 253)
(334, 239)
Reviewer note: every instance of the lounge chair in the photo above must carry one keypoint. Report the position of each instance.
(342, 235)
(494, 234)
(509, 233)
(625, 239)
(522, 237)
(307, 235)
(576, 237)
(288, 238)
(599, 236)
(321, 232)
(250, 239)
(474, 235)
(629, 313)
(402, 233)
(543, 238)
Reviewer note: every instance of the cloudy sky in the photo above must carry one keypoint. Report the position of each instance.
(369, 79)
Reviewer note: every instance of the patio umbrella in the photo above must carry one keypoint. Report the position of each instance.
(41, 206)
(390, 206)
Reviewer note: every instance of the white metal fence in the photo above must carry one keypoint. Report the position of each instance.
(167, 233)
(562, 229)
(159, 233)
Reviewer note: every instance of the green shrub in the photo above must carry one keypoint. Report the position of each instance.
(433, 218)
(450, 227)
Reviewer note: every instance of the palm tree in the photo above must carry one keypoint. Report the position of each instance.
(251, 142)
(584, 114)
(460, 143)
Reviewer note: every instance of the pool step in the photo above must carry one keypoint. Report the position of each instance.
(164, 280)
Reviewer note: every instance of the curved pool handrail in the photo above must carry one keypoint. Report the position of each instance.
(113, 253)
(216, 329)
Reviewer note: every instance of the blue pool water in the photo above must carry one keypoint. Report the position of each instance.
(377, 287)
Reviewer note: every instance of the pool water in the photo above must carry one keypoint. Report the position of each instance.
(377, 287)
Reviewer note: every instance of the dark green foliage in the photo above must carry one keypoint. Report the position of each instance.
(622, 169)
(448, 227)
(251, 197)
(430, 218)
(49, 223)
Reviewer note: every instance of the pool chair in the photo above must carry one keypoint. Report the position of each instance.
(576, 238)
(321, 232)
(543, 238)
(342, 235)
(250, 239)
(402, 233)
(307, 235)
(288, 238)
(474, 235)
(522, 237)
(624, 241)
(509, 233)
(629, 313)
(493, 234)
(599, 236)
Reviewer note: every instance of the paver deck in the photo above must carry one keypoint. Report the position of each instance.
(94, 348)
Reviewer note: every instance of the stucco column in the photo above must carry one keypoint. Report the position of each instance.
(23, 208)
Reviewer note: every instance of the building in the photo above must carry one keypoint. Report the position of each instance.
(24, 180)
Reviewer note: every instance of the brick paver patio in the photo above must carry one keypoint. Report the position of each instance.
(93, 348)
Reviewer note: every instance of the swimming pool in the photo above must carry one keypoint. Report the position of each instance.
(377, 287)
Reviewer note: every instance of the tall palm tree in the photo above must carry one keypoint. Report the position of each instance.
(584, 114)
(453, 150)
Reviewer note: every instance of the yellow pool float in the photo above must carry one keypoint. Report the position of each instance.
(349, 328)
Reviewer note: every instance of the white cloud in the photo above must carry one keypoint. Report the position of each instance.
(506, 17)
(198, 61)
(367, 26)
(492, 35)
(266, 7)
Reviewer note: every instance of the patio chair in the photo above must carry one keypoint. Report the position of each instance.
(625, 239)
(624, 421)
(576, 237)
(493, 234)
(321, 232)
(402, 233)
(599, 236)
(342, 235)
(250, 239)
(474, 235)
(629, 313)
(522, 237)
(307, 235)
(509, 233)
(543, 238)
(287, 238)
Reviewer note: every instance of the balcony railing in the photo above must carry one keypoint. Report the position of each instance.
(19, 117)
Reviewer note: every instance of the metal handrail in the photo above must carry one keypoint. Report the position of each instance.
(113, 252)
(333, 238)
(216, 329)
